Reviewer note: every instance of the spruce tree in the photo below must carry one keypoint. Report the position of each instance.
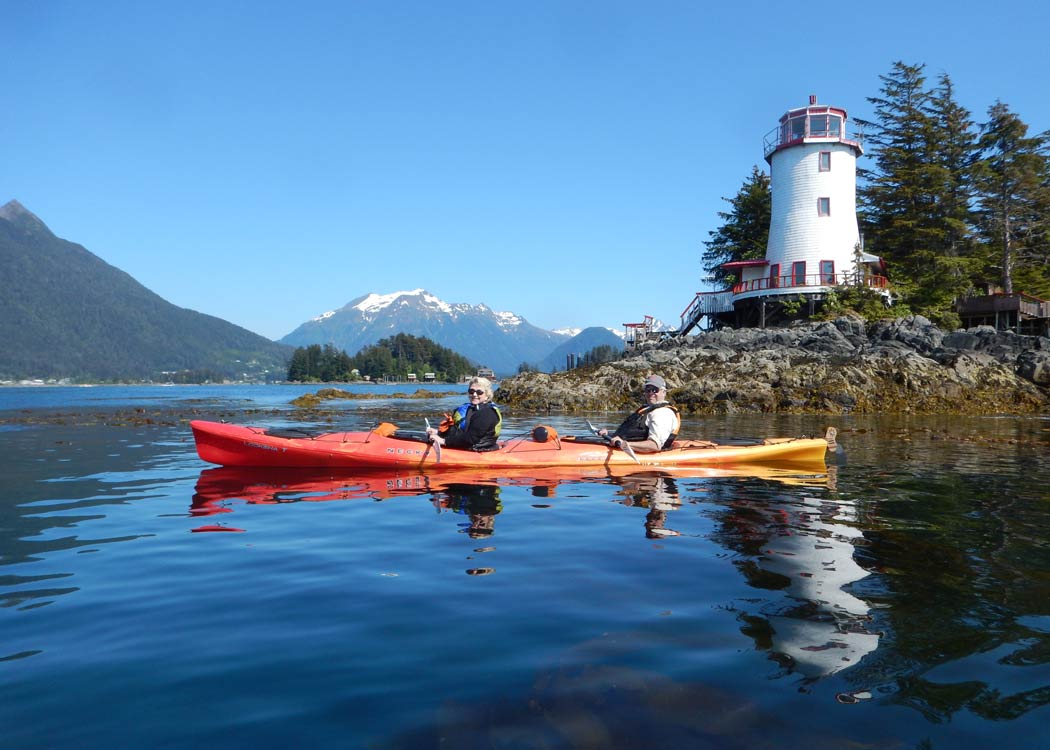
(954, 155)
(894, 196)
(298, 367)
(915, 201)
(1014, 180)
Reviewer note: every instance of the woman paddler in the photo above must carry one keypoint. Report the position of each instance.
(473, 426)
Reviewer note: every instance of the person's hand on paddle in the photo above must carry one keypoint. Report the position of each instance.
(433, 437)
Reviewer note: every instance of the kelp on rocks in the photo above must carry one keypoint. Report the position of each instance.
(313, 400)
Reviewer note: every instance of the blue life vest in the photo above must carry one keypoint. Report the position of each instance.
(459, 418)
(461, 413)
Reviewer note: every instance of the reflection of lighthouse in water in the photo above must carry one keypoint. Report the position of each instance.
(825, 629)
(803, 549)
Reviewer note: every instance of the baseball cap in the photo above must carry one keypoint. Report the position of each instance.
(655, 380)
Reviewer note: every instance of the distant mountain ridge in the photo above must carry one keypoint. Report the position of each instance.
(66, 313)
(499, 340)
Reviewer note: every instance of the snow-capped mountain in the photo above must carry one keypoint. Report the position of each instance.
(500, 340)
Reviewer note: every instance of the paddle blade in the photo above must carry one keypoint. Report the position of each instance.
(838, 453)
(629, 451)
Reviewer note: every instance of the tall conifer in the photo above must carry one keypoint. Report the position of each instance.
(895, 196)
(915, 201)
(955, 153)
(1014, 179)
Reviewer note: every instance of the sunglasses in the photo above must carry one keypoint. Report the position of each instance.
(473, 392)
(651, 389)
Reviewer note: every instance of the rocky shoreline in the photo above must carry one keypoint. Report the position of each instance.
(843, 366)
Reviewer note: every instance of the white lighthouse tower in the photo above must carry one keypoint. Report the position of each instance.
(814, 244)
(813, 177)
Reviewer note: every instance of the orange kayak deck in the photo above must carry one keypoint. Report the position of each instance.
(238, 445)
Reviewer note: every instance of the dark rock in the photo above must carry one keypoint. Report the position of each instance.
(1035, 366)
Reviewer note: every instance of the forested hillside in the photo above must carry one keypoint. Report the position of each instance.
(65, 313)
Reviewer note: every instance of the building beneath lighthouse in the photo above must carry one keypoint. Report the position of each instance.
(814, 244)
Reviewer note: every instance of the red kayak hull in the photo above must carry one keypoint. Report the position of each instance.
(238, 445)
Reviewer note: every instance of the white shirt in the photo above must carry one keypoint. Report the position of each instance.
(661, 423)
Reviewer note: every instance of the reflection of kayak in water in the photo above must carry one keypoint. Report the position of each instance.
(236, 445)
(273, 486)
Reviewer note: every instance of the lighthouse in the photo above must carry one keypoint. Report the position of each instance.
(813, 232)
(814, 245)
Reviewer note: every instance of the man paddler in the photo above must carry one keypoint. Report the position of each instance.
(654, 426)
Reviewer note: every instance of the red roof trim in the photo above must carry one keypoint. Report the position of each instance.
(744, 263)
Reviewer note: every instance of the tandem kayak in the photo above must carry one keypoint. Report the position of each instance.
(238, 445)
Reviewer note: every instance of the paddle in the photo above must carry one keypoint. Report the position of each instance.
(432, 442)
(623, 443)
(835, 447)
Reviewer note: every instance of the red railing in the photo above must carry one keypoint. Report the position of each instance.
(811, 280)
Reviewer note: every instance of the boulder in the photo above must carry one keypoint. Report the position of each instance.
(1035, 366)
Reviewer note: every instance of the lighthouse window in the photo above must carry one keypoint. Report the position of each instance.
(827, 272)
(825, 126)
(825, 161)
(798, 273)
(823, 206)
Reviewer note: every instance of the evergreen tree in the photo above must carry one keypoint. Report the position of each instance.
(915, 201)
(1014, 180)
(895, 195)
(298, 367)
(954, 154)
(745, 233)
(601, 353)
(330, 371)
(313, 361)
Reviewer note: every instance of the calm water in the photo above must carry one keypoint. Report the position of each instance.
(149, 600)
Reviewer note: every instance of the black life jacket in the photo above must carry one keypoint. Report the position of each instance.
(635, 430)
(461, 421)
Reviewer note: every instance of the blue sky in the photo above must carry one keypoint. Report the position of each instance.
(265, 162)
